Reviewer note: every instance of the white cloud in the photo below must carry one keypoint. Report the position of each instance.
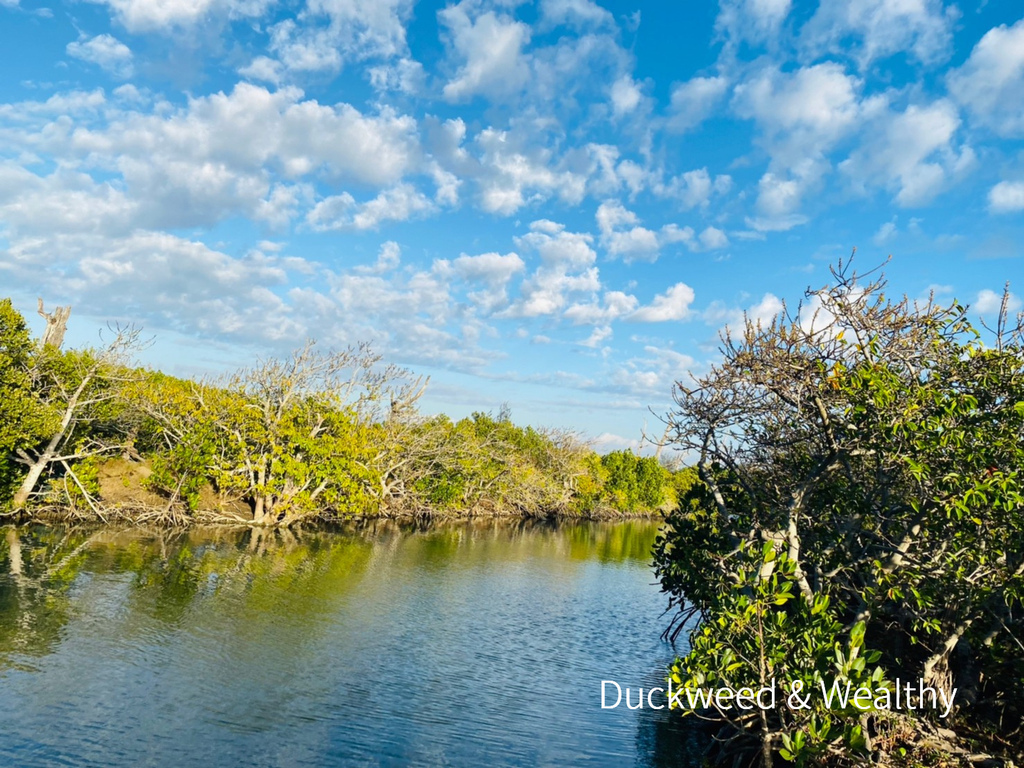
(883, 27)
(991, 82)
(731, 319)
(489, 48)
(403, 76)
(673, 304)
(492, 268)
(1006, 197)
(577, 13)
(693, 188)
(166, 281)
(607, 442)
(885, 233)
(70, 104)
(597, 337)
(398, 203)
(558, 248)
(566, 270)
(220, 154)
(755, 21)
(818, 101)
(712, 239)
(511, 173)
(622, 234)
(355, 30)
(695, 101)
(762, 224)
(388, 258)
(653, 374)
(614, 304)
(910, 153)
(106, 52)
(989, 302)
(159, 15)
(803, 114)
(625, 95)
(489, 274)
(778, 196)
(263, 68)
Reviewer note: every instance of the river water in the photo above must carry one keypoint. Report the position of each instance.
(471, 644)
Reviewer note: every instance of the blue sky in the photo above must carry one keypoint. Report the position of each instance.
(558, 204)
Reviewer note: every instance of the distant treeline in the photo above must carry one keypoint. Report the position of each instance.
(87, 433)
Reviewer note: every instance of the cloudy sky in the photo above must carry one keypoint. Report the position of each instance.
(555, 204)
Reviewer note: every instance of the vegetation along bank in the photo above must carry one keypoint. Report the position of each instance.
(86, 433)
(859, 521)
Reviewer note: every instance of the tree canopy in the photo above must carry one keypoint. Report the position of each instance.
(319, 433)
(859, 518)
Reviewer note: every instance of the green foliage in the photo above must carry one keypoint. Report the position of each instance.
(24, 420)
(482, 463)
(634, 483)
(278, 438)
(312, 435)
(859, 516)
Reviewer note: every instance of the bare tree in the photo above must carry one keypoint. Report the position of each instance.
(75, 386)
(56, 325)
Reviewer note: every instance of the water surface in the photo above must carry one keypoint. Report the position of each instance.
(474, 644)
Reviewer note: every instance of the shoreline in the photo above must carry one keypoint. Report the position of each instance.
(140, 516)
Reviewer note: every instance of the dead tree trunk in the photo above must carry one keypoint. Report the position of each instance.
(56, 325)
(47, 455)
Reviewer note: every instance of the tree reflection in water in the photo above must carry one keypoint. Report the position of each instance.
(297, 640)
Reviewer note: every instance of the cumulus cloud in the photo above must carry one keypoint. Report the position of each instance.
(625, 95)
(881, 28)
(623, 235)
(712, 239)
(608, 441)
(653, 373)
(732, 319)
(754, 21)
(219, 155)
(491, 268)
(803, 115)
(911, 153)
(990, 84)
(106, 52)
(885, 233)
(989, 303)
(402, 76)
(331, 32)
(566, 270)
(597, 337)
(510, 173)
(489, 50)
(613, 305)
(578, 13)
(673, 304)
(166, 281)
(388, 258)
(694, 101)
(693, 188)
(488, 274)
(1006, 197)
(148, 16)
(398, 203)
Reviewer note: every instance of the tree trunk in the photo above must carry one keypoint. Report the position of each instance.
(56, 325)
(264, 510)
(35, 470)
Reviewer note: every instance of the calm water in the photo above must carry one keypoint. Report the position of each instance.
(464, 645)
